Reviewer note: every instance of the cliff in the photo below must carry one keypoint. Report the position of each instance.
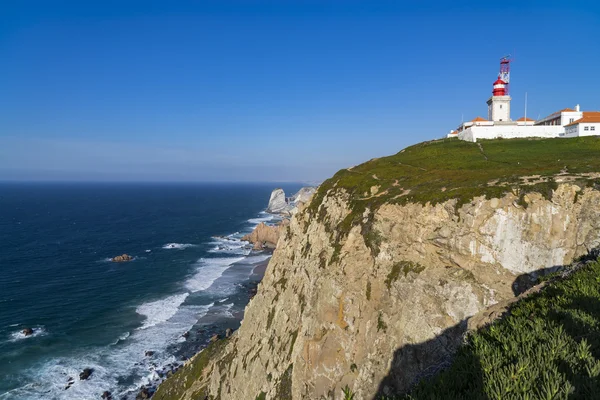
(374, 281)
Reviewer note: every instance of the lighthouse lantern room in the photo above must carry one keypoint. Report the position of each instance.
(499, 103)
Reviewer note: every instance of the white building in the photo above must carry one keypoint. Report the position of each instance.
(562, 117)
(564, 123)
(587, 125)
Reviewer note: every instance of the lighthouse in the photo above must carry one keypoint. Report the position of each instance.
(499, 103)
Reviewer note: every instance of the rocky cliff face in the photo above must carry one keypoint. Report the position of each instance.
(331, 312)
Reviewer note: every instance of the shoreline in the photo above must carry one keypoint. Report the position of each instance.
(212, 323)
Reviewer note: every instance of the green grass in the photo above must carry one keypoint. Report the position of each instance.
(175, 386)
(548, 347)
(437, 171)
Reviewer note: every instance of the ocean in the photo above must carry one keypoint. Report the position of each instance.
(126, 321)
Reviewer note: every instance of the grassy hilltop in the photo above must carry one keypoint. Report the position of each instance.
(437, 171)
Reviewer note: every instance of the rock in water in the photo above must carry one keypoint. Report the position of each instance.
(27, 331)
(265, 235)
(106, 395)
(149, 353)
(143, 394)
(122, 258)
(228, 332)
(86, 374)
(277, 203)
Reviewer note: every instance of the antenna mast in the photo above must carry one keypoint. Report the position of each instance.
(504, 73)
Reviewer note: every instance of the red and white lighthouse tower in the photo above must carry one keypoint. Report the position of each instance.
(499, 103)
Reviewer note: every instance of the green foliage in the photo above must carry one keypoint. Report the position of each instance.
(548, 347)
(174, 387)
(437, 171)
(292, 342)
(284, 388)
(405, 267)
(261, 396)
(353, 368)
(381, 326)
(348, 395)
(270, 317)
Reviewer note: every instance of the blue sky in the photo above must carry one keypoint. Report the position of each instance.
(268, 90)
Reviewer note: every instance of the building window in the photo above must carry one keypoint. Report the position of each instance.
(587, 128)
(571, 120)
(500, 105)
(592, 128)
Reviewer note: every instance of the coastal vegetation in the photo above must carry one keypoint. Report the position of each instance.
(548, 347)
(436, 171)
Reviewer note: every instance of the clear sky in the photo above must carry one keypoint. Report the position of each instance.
(269, 90)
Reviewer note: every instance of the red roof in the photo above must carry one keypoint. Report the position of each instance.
(499, 82)
(478, 119)
(588, 117)
(526, 119)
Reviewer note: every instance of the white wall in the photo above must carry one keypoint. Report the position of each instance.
(593, 129)
(499, 108)
(570, 116)
(511, 132)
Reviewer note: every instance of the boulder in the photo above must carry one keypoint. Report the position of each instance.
(143, 394)
(186, 335)
(149, 353)
(86, 374)
(106, 395)
(122, 258)
(228, 332)
(27, 331)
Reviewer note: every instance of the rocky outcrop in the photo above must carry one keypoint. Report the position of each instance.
(279, 204)
(85, 374)
(303, 195)
(27, 332)
(122, 258)
(331, 312)
(266, 236)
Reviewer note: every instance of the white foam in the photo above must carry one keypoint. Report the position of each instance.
(19, 335)
(111, 363)
(209, 270)
(160, 310)
(178, 246)
(257, 259)
(266, 218)
(230, 246)
(148, 251)
(225, 299)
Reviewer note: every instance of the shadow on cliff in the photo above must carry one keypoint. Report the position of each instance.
(415, 362)
(412, 364)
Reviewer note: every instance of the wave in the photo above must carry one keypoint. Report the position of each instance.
(265, 218)
(178, 246)
(208, 271)
(125, 358)
(230, 246)
(160, 310)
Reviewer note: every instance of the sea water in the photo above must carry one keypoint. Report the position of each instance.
(188, 273)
